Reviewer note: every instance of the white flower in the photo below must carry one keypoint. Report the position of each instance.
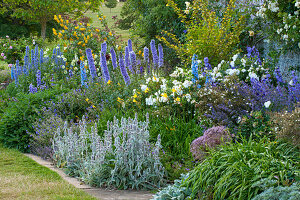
(267, 104)
(144, 87)
(232, 71)
(285, 37)
(188, 97)
(243, 62)
(297, 4)
(187, 4)
(187, 12)
(286, 27)
(243, 70)
(63, 67)
(291, 83)
(154, 79)
(253, 75)
(150, 101)
(218, 75)
(75, 68)
(175, 82)
(296, 12)
(148, 80)
(187, 83)
(163, 87)
(235, 57)
(279, 30)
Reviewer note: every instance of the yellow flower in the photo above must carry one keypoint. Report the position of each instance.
(75, 34)
(79, 42)
(173, 90)
(147, 90)
(97, 30)
(59, 16)
(76, 27)
(140, 52)
(110, 34)
(177, 99)
(87, 99)
(105, 39)
(82, 29)
(119, 48)
(60, 35)
(134, 101)
(63, 31)
(120, 100)
(65, 27)
(93, 106)
(80, 23)
(88, 37)
(109, 82)
(251, 33)
(67, 21)
(134, 96)
(104, 17)
(100, 18)
(164, 95)
(86, 41)
(88, 24)
(119, 84)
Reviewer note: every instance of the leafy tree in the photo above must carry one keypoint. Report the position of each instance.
(111, 4)
(42, 11)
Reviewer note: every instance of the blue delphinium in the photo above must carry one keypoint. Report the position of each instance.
(90, 59)
(124, 70)
(38, 78)
(160, 56)
(130, 45)
(146, 58)
(41, 56)
(278, 75)
(206, 63)
(32, 65)
(26, 57)
(103, 47)
(82, 74)
(133, 60)
(154, 53)
(12, 72)
(113, 58)
(32, 89)
(104, 68)
(195, 70)
(127, 59)
(36, 54)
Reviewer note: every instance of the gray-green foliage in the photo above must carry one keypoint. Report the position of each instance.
(174, 191)
(122, 158)
(233, 171)
(280, 193)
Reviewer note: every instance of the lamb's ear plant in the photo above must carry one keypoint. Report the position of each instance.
(123, 158)
(233, 171)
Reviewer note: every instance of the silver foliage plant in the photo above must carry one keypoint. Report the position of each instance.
(123, 158)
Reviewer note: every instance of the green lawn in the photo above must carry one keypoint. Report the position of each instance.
(22, 178)
(106, 11)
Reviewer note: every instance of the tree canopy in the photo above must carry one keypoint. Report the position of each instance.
(43, 11)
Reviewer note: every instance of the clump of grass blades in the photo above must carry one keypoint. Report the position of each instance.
(232, 171)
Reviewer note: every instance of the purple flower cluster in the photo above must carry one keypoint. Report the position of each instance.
(104, 68)
(146, 58)
(129, 43)
(133, 60)
(113, 58)
(92, 67)
(154, 53)
(124, 70)
(38, 78)
(32, 89)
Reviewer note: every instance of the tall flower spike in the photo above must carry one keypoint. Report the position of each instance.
(38, 78)
(124, 70)
(127, 59)
(91, 63)
(103, 47)
(146, 58)
(154, 53)
(12, 72)
(160, 56)
(82, 74)
(104, 68)
(36, 55)
(129, 45)
(113, 58)
(41, 56)
(132, 60)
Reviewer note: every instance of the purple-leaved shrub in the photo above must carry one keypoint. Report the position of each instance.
(211, 138)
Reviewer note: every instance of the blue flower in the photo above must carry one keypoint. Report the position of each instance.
(123, 70)
(104, 68)
(113, 58)
(129, 45)
(154, 53)
(90, 59)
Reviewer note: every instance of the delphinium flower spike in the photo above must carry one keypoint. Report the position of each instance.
(90, 59)
(133, 60)
(113, 58)
(146, 58)
(104, 68)
(124, 70)
(130, 45)
(154, 53)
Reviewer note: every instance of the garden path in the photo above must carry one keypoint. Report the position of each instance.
(100, 193)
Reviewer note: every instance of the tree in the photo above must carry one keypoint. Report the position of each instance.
(42, 11)
(111, 4)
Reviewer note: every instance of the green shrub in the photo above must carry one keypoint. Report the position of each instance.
(233, 171)
(18, 117)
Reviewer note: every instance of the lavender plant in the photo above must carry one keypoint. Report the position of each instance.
(123, 158)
